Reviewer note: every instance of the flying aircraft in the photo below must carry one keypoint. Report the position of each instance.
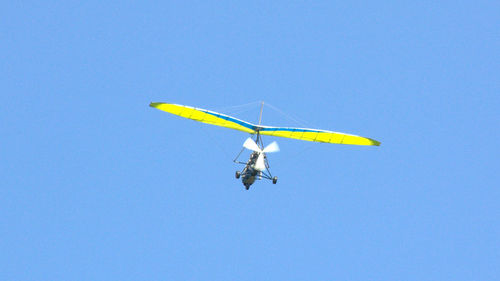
(257, 166)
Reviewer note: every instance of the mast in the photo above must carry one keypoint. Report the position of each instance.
(261, 107)
(258, 139)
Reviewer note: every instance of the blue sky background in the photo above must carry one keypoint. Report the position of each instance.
(98, 186)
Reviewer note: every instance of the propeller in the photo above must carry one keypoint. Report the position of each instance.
(250, 144)
(272, 147)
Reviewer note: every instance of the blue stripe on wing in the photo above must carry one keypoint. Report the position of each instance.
(229, 118)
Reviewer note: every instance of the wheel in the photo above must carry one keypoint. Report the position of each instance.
(275, 180)
(237, 174)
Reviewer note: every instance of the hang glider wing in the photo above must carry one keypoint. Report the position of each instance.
(205, 116)
(316, 135)
(219, 119)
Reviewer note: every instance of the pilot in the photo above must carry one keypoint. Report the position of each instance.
(254, 156)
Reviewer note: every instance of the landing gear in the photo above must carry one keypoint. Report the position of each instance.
(237, 175)
(275, 180)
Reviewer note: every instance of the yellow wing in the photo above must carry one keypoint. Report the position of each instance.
(219, 119)
(205, 116)
(316, 135)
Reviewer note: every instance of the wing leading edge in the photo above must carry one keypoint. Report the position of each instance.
(205, 116)
(219, 119)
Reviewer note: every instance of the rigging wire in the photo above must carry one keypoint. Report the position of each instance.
(243, 108)
(295, 119)
(238, 108)
(232, 110)
(216, 141)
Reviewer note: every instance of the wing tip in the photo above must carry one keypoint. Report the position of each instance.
(155, 104)
(374, 142)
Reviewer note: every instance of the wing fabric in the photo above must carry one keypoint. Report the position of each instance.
(316, 135)
(219, 119)
(205, 116)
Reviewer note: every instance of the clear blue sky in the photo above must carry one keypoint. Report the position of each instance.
(96, 185)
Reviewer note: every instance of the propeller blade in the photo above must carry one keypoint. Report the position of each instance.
(251, 145)
(260, 165)
(272, 147)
